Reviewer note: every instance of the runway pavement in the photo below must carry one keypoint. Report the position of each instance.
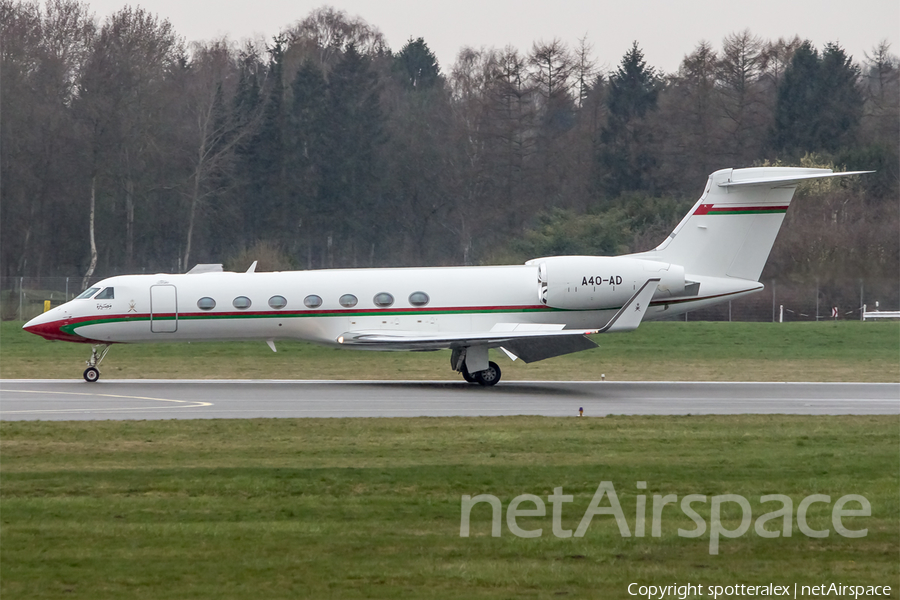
(168, 399)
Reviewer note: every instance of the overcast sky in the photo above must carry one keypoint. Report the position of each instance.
(666, 30)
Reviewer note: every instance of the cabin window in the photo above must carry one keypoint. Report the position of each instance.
(241, 302)
(383, 300)
(277, 302)
(107, 294)
(419, 298)
(348, 300)
(87, 293)
(206, 303)
(312, 301)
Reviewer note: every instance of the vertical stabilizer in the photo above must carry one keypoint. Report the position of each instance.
(730, 231)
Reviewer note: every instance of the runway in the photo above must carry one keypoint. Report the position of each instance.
(205, 399)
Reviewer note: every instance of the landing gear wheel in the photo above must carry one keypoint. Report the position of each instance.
(489, 376)
(468, 376)
(98, 352)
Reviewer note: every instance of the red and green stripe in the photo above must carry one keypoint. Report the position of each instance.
(76, 323)
(726, 209)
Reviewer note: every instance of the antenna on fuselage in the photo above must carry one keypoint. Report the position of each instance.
(252, 268)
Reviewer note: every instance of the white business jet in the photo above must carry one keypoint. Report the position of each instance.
(538, 310)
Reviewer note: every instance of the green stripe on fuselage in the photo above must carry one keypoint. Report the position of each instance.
(281, 315)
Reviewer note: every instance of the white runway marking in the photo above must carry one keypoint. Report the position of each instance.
(181, 403)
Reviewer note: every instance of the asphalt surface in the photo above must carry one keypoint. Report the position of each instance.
(167, 399)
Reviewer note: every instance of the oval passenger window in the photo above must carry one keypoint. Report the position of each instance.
(206, 303)
(312, 301)
(241, 302)
(348, 300)
(383, 299)
(418, 298)
(277, 302)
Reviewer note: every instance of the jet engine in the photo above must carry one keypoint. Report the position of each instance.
(599, 282)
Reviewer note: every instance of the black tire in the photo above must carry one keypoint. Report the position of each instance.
(489, 376)
(467, 376)
(91, 374)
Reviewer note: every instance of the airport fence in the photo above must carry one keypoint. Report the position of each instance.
(22, 298)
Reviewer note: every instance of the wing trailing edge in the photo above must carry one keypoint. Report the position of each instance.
(529, 341)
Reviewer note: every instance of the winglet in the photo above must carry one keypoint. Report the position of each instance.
(252, 268)
(630, 316)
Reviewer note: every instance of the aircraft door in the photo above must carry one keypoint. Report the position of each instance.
(163, 309)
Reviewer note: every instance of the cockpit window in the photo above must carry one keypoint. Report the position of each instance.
(107, 294)
(87, 293)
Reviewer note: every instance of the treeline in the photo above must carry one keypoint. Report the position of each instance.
(124, 148)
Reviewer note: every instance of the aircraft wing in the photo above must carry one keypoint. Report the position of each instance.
(529, 341)
(528, 344)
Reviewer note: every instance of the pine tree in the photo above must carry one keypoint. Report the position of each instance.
(624, 159)
(417, 66)
(351, 173)
(307, 134)
(266, 156)
(819, 104)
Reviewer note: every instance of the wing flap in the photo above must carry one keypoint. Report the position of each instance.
(534, 349)
(416, 340)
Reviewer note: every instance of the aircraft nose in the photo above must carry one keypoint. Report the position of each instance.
(49, 326)
(39, 324)
(34, 324)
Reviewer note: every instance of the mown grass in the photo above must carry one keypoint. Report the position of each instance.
(370, 508)
(833, 351)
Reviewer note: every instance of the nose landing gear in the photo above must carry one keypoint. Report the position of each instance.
(98, 352)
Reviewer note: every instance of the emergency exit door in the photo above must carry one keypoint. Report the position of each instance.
(163, 309)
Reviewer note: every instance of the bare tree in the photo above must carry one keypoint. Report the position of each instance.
(585, 70)
(688, 119)
(777, 57)
(123, 104)
(207, 90)
(326, 32)
(43, 50)
(553, 67)
(740, 68)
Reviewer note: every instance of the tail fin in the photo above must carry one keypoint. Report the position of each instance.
(730, 231)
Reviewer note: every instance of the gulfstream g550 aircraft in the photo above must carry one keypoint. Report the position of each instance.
(534, 311)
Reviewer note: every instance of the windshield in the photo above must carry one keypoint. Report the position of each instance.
(87, 293)
(107, 294)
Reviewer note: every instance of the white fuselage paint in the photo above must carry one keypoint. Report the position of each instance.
(461, 299)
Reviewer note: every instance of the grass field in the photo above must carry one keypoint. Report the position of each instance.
(371, 508)
(827, 351)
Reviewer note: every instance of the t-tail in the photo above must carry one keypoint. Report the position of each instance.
(730, 231)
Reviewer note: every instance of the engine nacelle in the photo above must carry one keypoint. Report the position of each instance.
(599, 282)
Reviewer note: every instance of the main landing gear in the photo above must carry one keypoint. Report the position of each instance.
(98, 352)
(487, 377)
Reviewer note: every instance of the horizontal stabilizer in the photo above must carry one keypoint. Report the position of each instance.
(789, 179)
